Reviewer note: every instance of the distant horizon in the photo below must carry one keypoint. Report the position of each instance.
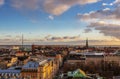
(62, 45)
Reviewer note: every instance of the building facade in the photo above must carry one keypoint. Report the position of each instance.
(40, 69)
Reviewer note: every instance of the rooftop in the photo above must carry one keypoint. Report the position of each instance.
(9, 71)
(35, 62)
(31, 65)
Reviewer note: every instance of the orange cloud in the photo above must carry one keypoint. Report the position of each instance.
(1, 2)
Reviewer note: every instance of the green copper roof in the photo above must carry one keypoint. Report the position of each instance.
(77, 73)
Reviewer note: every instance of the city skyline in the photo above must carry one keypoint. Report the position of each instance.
(66, 22)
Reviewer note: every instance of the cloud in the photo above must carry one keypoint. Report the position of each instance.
(98, 15)
(111, 4)
(54, 7)
(79, 42)
(51, 17)
(107, 29)
(8, 36)
(47, 37)
(106, 21)
(25, 4)
(64, 38)
(116, 2)
(55, 40)
(1, 2)
(57, 7)
(106, 4)
(87, 30)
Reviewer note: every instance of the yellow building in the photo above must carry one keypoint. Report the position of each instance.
(13, 61)
(45, 71)
(40, 69)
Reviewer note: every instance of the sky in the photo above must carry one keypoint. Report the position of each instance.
(63, 22)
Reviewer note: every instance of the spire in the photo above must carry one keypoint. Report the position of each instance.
(33, 48)
(86, 42)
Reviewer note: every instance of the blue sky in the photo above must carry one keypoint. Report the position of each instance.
(52, 21)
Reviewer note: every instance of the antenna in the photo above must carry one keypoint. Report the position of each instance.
(22, 42)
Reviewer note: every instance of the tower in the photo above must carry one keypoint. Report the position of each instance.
(33, 48)
(87, 43)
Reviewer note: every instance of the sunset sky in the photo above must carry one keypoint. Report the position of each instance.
(67, 22)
